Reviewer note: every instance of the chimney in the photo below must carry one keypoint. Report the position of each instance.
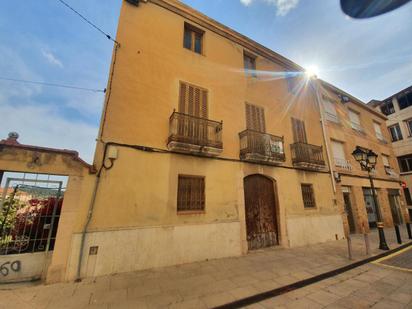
(11, 139)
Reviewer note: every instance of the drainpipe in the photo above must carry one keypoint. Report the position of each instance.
(316, 84)
(90, 213)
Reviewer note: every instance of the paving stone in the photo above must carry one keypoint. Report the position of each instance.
(357, 302)
(323, 297)
(129, 304)
(217, 299)
(266, 285)
(189, 304)
(303, 303)
(403, 298)
(141, 290)
(243, 292)
(386, 304)
(102, 297)
(163, 299)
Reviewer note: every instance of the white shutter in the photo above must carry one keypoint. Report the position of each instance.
(377, 127)
(385, 160)
(330, 111)
(338, 150)
(354, 117)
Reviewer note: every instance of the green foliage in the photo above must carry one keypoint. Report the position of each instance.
(8, 217)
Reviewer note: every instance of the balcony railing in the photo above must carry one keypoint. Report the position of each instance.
(357, 127)
(332, 117)
(343, 164)
(380, 137)
(390, 172)
(307, 155)
(261, 147)
(194, 134)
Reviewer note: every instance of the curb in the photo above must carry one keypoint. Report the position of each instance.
(300, 284)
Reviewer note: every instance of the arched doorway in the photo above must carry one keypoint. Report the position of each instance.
(260, 209)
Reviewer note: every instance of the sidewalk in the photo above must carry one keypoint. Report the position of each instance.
(195, 285)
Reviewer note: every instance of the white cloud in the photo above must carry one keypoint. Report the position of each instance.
(246, 2)
(282, 6)
(42, 126)
(52, 59)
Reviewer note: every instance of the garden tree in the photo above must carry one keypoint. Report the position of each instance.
(8, 216)
(26, 225)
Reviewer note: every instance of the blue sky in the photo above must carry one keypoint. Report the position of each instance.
(44, 41)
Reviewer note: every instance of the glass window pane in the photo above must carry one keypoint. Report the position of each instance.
(398, 132)
(198, 43)
(187, 43)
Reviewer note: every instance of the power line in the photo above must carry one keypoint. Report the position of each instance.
(89, 22)
(51, 84)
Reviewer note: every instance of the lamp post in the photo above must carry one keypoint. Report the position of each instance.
(367, 160)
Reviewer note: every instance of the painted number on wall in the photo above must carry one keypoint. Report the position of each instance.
(5, 268)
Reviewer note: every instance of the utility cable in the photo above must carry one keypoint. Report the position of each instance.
(51, 84)
(89, 22)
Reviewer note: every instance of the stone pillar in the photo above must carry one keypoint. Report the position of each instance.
(359, 209)
(385, 207)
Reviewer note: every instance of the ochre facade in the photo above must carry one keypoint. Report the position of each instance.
(178, 111)
(349, 177)
(135, 221)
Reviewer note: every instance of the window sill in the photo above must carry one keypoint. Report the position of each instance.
(190, 212)
(193, 52)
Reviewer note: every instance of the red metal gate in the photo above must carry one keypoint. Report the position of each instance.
(261, 222)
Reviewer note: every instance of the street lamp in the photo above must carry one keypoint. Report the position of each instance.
(367, 160)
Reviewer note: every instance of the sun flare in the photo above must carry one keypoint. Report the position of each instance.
(312, 71)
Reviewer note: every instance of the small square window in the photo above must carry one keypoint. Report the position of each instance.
(191, 193)
(308, 196)
(249, 62)
(193, 38)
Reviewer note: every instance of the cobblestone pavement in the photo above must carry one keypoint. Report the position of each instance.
(368, 286)
(403, 261)
(216, 282)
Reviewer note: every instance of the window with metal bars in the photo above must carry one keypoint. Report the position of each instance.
(191, 193)
(308, 196)
(193, 38)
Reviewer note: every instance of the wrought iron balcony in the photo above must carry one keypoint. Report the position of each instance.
(381, 138)
(261, 147)
(357, 127)
(194, 135)
(343, 164)
(390, 172)
(307, 156)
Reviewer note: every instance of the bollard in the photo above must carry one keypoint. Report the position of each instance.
(349, 247)
(408, 228)
(398, 234)
(366, 238)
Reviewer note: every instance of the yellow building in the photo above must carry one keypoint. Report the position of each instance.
(399, 123)
(349, 124)
(212, 146)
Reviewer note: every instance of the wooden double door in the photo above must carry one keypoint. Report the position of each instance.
(260, 208)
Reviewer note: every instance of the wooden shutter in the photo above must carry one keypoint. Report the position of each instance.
(191, 193)
(193, 100)
(255, 118)
(299, 132)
